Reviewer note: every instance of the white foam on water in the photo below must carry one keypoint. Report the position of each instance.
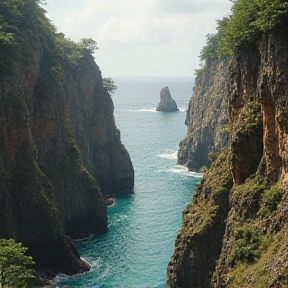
(61, 277)
(143, 110)
(195, 174)
(184, 171)
(170, 155)
(154, 110)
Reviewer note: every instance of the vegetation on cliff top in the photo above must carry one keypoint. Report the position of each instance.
(249, 19)
(23, 22)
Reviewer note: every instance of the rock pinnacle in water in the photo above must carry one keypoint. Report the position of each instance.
(167, 104)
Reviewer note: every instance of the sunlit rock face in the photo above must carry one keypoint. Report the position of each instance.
(207, 116)
(234, 233)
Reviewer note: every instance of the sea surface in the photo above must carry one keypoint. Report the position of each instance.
(142, 227)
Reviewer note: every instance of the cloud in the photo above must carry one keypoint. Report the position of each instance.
(151, 29)
(190, 7)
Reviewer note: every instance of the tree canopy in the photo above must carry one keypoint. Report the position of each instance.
(15, 265)
(109, 84)
(88, 44)
(248, 21)
(23, 22)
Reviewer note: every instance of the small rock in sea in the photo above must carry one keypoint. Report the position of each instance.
(109, 201)
(167, 104)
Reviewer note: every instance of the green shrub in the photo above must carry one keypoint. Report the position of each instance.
(203, 169)
(247, 243)
(212, 157)
(250, 118)
(270, 200)
(199, 72)
(15, 266)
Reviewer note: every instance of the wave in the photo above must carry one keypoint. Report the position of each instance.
(172, 155)
(99, 268)
(195, 174)
(143, 110)
(153, 110)
(184, 171)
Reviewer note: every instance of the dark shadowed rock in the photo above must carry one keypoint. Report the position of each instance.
(167, 104)
(59, 146)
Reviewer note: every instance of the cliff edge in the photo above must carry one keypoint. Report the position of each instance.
(207, 116)
(59, 146)
(233, 234)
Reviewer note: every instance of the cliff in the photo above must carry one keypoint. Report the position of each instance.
(233, 234)
(59, 146)
(207, 116)
(199, 240)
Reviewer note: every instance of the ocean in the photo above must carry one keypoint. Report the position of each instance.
(142, 227)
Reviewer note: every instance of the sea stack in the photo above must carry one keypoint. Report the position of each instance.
(167, 104)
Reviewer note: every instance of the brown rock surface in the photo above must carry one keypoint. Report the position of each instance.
(207, 117)
(249, 231)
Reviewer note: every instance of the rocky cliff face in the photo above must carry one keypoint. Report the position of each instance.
(207, 116)
(199, 240)
(98, 139)
(59, 147)
(244, 243)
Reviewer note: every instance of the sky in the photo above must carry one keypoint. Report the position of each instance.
(141, 37)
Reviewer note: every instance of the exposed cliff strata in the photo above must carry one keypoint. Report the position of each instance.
(252, 247)
(57, 135)
(207, 116)
(245, 113)
(259, 204)
(28, 208)
(104, 156)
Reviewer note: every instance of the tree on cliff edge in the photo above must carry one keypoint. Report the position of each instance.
(109, 84)
(89, 44)
(15, 265)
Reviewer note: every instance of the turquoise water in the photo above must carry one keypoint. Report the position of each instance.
(142, 227)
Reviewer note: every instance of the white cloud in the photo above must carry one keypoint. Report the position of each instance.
(138, 31)
(190, 7)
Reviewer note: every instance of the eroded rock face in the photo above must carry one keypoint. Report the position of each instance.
(104, 155)
(251, 219)
(268, 267)
(56, 142)
(199, 241)
(245, 113)
(207, 117)
(167, 104)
